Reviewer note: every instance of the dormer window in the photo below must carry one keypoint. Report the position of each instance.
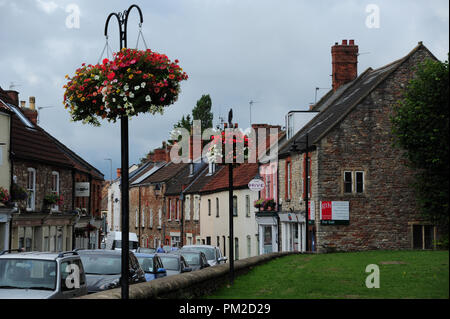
(191, 169)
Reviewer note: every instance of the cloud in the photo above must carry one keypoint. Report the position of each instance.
(47, 6)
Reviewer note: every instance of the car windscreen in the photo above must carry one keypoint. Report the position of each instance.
(132, 244)
(28, 274)
(101, 264)
(170, 263)
(209, 252)
(146, 264)
(193, 259)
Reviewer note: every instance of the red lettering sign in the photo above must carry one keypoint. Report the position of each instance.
(326, 210)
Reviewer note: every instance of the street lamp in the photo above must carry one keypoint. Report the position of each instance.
(230, 205)
(294, 149)
(122, 19)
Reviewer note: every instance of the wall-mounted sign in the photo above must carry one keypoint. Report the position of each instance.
(82, 190)
(334, 213)
(311, 208)
(256, 185)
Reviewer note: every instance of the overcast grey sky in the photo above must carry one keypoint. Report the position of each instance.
(274, 52)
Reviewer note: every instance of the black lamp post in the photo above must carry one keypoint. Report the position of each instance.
(230, 204)
(122, 19)
(294, 149)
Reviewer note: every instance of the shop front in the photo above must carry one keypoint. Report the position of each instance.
(267, 232)
(293, 231)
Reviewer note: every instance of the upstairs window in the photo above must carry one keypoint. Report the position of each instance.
(247, 205)
(360, 182)
(348, 182)
(288, 179)
(235, 206)
(209, 207)
(31, 188)
(217, 207)
(55, 188)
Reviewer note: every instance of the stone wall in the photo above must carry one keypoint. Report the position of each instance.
(188, 285)
(380, 217)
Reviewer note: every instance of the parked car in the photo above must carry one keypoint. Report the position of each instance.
(114, 241)
(174, 264)
(38, 275)
(103, 269)
(146, 250)
(195, 259)
(152, 266)
(212, 253)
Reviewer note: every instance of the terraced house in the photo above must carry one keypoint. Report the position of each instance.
(359, 183)
(43, 167)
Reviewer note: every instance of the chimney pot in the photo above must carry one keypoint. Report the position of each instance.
(14, 96)
(352, 42)
(32, 103)
(23, 104)
(119, 172)
(344, 42)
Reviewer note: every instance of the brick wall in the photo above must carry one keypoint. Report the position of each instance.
(44, 182)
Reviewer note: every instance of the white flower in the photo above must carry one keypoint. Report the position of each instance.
(96, 77)
(114, 99)
(143, 85)
(148, 98)
(131, 95)
(125, 98)
(126, 87)
(137, 88)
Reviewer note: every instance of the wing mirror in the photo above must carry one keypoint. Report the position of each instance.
(187, 269)
(161, 271)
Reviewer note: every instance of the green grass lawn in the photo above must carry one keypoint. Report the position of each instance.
(403, 274)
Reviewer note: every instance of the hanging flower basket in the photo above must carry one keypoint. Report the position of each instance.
(258, 203)
(269, 204)
(53, 199)
(135, 81)
(4, 196)
(18, 193)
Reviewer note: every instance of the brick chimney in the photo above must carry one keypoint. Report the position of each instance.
(14, 96)
(345, 63)
(119, 172)
(30, 112)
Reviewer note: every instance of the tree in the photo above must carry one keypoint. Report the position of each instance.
(420, 125)
(202, 112)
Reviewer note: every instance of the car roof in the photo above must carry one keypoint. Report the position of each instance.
(168, 255)
(199, 246)
(189, 251)
(34, 255)
(144, 255)
(100, 252)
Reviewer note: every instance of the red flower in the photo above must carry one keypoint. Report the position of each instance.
(111, 76)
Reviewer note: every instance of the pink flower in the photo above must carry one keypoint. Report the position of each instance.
(111, 76)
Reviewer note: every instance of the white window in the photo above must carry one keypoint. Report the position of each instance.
(249, 246)
(211, 168)
(359, 182)
(217, 207)
(159, 218)
(31, 188)
(247, 205)
(143, 217)
(196, 207)
(170, 209)
(267, 187)
(55, 188)
(187, 207)
(136, 216)
(151, 218)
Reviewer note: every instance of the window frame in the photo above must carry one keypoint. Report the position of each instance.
(31, 201)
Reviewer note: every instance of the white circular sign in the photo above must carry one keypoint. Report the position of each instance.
(256, 185)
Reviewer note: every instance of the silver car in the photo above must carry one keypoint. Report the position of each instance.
(212, 253)
(41, 275)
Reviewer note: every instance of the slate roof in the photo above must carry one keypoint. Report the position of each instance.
(183, 178)
(164, 173)
(34, 144)
(335, 106)
(202, 180)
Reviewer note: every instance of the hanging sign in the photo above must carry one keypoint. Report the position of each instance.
(82, 190)
(256, 185)
(334, 213)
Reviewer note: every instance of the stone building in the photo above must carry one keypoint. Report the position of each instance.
(360, 190)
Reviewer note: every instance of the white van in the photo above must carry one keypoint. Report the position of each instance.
(114, 241)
